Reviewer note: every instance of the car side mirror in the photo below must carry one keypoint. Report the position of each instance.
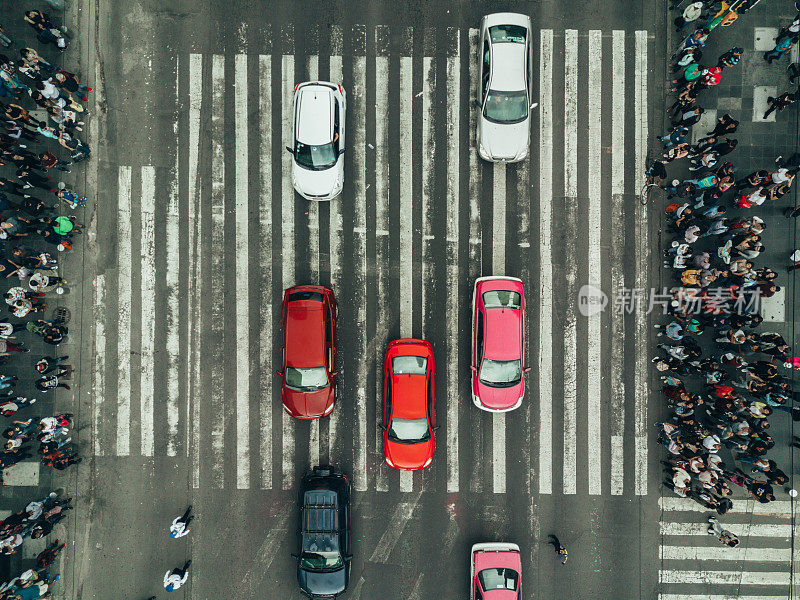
(341, 150)
(334, 373)
(534, 105)
(295, 555)
(436, 427)
(381, 426)
(526, 369)
(348, 557)
(279, 373)
(289, 150)
(472, 368)
(477, 103)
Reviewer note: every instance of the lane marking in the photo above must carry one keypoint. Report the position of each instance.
(148, 308)
(594, 342)
(760, 578)
(218, 265)
(312, 70)
(193, 365)
(250, 585)
(723, 553)
(571, 234)
(335, 245)
(381, 247)
(499, 268)
(642, 262)
(242, 276)
(99, 387)
(124, 268)
(617, 341)
(475, 263)
(406, 196)
(749, 506)
(265, 222)
(742, 530)
(359, 109)
(394, 531)
(287, 242)
(453, 178)
(546, 263)
(174, 261)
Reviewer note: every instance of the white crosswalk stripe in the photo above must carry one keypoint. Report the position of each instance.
(243, 227)
(692, 560)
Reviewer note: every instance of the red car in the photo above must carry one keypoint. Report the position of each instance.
(409, 418)
(495, 572)
(309, 351)
(498, 343)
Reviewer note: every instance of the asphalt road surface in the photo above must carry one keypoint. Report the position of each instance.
(197, 232)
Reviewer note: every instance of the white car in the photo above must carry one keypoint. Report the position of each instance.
(317, 154)
(505, 64)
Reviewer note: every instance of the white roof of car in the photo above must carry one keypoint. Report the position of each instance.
(508, 67)
(314, 115)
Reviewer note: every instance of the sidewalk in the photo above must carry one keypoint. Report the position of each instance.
(28, 480)
(742, 93)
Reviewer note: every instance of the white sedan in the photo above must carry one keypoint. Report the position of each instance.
(317, 153)
(505, 63)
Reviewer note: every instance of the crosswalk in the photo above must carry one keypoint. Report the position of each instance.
(203, 241)
(695, 565)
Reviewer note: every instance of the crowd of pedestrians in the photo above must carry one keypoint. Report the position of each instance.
(36, 520)
(33, 234)
(723, 393)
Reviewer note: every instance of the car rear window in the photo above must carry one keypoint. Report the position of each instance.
(306, 295)
(507, 33)
(501, 299)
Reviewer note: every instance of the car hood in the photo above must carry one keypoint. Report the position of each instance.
(324, 585)
(408, 456)
(498, 398)
(309, 405)
(318, 183)
(503, 142)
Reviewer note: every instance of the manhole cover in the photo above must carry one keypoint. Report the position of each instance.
(61, 315)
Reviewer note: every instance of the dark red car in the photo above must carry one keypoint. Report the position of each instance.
(409, 411)
(309, 351)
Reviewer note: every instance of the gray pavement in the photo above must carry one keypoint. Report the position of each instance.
(177, 394)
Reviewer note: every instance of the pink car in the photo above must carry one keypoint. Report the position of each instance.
(498, 343)
(495, 572)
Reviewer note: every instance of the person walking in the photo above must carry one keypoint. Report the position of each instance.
(780, 102)
(730, 58)
(783, 44)
(725, 124)
(559, 548)
(180, 526)
(723, 535)
(177, 577)
(688, 118)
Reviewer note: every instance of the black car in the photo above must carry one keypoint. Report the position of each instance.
(323, 563)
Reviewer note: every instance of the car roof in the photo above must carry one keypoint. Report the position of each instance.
(409, 396)
(508, 67)
(315, 114)
(305, 334)
(502, 334)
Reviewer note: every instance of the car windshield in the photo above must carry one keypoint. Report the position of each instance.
(305, 379)
(409, 365)
(500, 373)
(315, 158)
(501, 299)
(320, 561)
(499, 579)
(409, 431)
(506, 107)
(507, 33)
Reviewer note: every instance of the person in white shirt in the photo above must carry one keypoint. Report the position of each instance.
(177, 577)
(180, 526)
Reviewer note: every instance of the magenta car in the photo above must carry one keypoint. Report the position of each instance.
(498, 343)
(495, 572)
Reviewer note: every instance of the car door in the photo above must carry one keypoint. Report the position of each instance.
(485, 67)
(387, 397)
(430, 400)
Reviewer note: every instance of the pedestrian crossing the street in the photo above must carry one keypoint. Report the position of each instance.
(695, 565)
(187, 311)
